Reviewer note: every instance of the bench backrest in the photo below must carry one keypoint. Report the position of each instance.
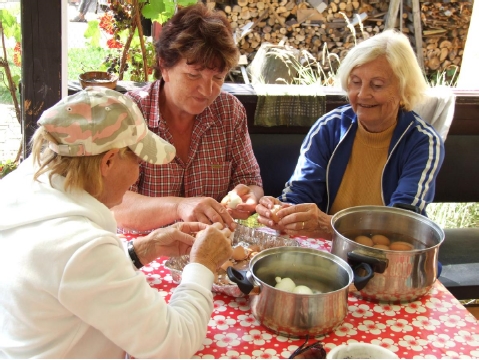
(458, 180)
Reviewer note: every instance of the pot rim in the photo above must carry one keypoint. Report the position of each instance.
(392, 210)
(332, 257)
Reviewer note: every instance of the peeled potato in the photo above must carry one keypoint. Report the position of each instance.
(285, 284)
(380, 240)
(273, 211)
(401, 246)
(302, 289)
(234, 200)
(364, 240)
(381, 246)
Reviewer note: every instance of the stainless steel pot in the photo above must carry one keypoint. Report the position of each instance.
(398, 275)
(291, 314)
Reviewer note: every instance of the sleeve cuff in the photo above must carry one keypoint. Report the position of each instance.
(198, 274)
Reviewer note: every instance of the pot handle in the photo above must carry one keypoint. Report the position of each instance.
(239, 277)
(409, 207)
(361, 281)
(377, 265)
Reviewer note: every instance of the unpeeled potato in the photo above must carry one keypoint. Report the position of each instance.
(401, 246)
(240, 253)
(380, 240)
(364, 240)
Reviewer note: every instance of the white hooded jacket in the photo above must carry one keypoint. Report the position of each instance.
(69, 290)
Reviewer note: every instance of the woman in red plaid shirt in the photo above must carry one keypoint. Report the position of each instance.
(214, 157)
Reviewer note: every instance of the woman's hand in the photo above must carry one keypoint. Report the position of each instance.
(174, 240)
(204, 209)
(269, 211)
(212, 247)
(305, 219)
(244, 209)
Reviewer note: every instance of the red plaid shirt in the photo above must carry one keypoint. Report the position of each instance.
(221, 155)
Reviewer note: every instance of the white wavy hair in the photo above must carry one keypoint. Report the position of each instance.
(400, 56)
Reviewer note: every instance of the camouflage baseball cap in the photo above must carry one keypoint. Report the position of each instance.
(98, 119)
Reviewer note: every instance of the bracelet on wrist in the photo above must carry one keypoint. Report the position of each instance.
(133, 256)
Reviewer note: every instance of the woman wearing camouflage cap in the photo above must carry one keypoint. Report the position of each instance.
(69, 286)
(208, 128)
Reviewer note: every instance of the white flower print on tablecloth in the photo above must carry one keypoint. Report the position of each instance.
(205, 344)
(362, 310)
(452, 320)
(399, 325)
(372, 327)
(221, 322)
(227, 339)
(219, 306)
(441, 340)
(153, 279)
(257, 337)
(387, 309)
(425, 323)
(247, 320)
(345, 329)
(231, 354)
(163, 293)
(465, 337)
(413, 343)
(202, 356)
(385, 343)
(265, 354)
(438, 305)
(239, 303)
(415, 307)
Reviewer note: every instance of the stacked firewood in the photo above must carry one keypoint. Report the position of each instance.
(334, 26)
(444, 32)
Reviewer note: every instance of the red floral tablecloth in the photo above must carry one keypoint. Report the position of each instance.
(435, 326)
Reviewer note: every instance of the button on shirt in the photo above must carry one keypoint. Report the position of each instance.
(220, 156)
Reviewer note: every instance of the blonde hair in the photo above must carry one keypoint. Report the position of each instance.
(78, 171)
(395, 46)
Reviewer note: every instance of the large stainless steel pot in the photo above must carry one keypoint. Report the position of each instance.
(398, 275)
(293, 314)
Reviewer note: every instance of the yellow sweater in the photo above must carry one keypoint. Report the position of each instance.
(361, 183)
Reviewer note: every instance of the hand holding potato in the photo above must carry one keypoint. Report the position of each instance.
(212, 247)
(268, 211)
(241, 201)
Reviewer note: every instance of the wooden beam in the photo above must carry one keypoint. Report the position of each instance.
(41, 61)
(418, 32)
(392, 15)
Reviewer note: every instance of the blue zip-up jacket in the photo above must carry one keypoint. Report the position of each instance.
(415, 156)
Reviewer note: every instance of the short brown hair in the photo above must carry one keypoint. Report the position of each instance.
(200, 36)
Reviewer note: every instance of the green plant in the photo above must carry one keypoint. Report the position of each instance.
(10, 74)
(447, 77)
(122, 22)
(7, 167)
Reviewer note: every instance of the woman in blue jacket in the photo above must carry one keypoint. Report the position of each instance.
(374, 151)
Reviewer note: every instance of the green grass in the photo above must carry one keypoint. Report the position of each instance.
(85, 59)
(454, 215)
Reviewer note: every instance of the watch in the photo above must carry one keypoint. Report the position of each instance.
(134, 258)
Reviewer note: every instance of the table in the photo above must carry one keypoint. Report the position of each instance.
(435, 326)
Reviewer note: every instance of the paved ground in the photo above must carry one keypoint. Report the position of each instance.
(10, 129)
